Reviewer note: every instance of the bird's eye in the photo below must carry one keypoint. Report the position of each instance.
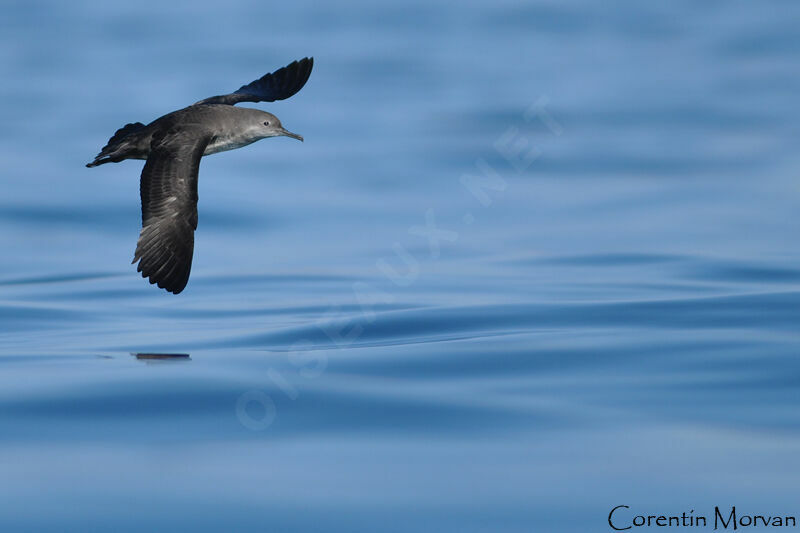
(266, 123)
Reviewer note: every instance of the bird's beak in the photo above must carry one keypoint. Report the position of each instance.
(292, 135)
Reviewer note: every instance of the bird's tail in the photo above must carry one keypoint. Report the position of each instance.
(119, 145)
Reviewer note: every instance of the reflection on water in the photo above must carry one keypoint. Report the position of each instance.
(532, 262)
(162, 357)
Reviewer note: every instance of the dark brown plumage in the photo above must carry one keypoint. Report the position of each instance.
(173, 146)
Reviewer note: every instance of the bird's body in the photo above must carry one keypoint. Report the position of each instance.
(230, 128)
(173, 145)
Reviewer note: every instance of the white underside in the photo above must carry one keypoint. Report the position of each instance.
(225, 144)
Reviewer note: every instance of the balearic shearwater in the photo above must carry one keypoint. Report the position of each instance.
(173, 146)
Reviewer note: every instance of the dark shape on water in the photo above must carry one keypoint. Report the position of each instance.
(173, 146)
(162, 356)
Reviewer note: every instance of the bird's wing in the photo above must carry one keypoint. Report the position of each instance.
(169, 206)
(278, 85)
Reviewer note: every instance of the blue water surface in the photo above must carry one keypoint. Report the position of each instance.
(533, 261)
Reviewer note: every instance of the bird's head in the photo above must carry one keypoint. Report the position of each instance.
(268, 125)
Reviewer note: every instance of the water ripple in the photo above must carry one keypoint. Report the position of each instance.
(769, 311)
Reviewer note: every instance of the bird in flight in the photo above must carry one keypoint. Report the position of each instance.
(172, 147)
